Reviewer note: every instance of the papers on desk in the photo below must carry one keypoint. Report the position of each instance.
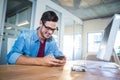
(102, 65)
(92, 66)
(109, 66)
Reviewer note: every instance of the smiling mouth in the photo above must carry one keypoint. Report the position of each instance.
(48, 35)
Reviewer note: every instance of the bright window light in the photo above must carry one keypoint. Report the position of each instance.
(94, 40)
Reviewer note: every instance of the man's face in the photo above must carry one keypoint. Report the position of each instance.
(48, 28)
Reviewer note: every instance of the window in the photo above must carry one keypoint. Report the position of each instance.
(94, 40)
(68, 46)
(72, 42)
(117, 43)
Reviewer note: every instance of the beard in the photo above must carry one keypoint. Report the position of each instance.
(45, 35)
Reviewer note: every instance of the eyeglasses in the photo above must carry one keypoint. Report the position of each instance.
(49, 28)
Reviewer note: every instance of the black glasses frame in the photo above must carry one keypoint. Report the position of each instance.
(49, 28)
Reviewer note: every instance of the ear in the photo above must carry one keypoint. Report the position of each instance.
(40, 23)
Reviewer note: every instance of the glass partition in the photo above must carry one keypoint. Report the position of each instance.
(18, 18)
(72, 41)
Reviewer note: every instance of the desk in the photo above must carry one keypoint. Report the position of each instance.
(22, 72)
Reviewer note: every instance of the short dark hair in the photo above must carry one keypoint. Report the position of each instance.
(49, 16)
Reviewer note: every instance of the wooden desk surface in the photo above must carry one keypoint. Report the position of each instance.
(94, 72)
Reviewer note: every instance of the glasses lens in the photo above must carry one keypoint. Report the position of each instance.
(48, 28)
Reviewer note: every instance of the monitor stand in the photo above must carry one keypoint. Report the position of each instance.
(116, 59)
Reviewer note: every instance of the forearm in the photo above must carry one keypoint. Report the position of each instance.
(44, 61)
(29, 60)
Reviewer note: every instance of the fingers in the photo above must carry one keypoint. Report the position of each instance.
(61, 58)
(57, 62)
(54, 62)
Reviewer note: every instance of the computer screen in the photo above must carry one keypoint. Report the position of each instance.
(106, 48)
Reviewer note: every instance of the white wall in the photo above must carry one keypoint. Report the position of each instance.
(41, 7)
(95, 25)
(65, 18)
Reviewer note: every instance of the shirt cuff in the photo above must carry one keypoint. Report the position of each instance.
(13, 58)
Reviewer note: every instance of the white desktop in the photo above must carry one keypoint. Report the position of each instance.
(106, 49)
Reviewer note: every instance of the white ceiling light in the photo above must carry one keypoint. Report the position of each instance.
(23, 23)
(8, 27)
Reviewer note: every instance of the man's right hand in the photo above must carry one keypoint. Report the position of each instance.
(50, 61)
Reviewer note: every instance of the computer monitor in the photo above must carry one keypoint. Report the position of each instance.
(106, 49)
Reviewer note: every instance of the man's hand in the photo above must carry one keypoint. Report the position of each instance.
(61, 58)
(50, 61)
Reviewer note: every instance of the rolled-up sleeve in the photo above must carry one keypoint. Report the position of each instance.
(13, 58)
(56, 51)
(52, 49)
(16, 50)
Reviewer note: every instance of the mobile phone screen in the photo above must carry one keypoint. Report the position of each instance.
(60, 57)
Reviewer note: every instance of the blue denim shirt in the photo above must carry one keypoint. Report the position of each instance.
(28, 44)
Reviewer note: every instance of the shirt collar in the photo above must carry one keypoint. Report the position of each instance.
(35, 36)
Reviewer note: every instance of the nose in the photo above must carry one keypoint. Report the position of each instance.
(50, 31)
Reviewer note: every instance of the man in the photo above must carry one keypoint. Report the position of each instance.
(37, 47)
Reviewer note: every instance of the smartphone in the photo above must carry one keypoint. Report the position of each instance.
(60, 57)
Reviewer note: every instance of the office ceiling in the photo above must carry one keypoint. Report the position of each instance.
(15, 6)
(84, 9)
(90, 9)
